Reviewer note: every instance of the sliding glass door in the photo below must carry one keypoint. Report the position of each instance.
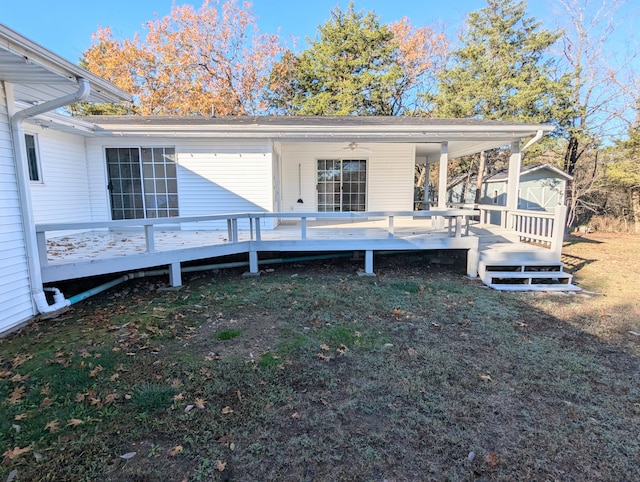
(142, 182)
(342, 185)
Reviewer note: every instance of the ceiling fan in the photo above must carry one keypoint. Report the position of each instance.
(354, 146)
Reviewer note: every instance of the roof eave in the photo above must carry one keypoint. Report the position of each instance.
(20, 45)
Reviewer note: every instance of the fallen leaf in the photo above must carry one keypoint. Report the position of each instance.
(5, 373)
(324, 347)
(295, 415)
(20, 359)
(114, 377)
(342, 349)
(128, 455)
(519, 324)
(412, 352)
(232, 446)
(486, 378)
(176, 450)
(323, 357)
(435, 325)
(179, 397)
(52, 426)
(225, 439)
(19, 378)
(95, 371)
(220, 465)
(199, 403)
(80, 397)
(492, 459)
(227, 410)
(16, 452)
(46, 402)
(74, 422)
(21, 416)
(112, 397)
(95, 401)
(12, 475)
(396, 312)
(16, 395)
(239, 394)
(46, 390)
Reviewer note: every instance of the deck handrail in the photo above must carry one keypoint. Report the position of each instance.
(456, 217)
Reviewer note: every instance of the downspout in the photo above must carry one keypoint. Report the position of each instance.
(31, 245)
(533, 140)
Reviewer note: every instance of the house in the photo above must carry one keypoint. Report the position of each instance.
(64, 175)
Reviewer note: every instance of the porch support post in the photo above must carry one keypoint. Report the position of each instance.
(425, 205)
(175, 276)
(513, 179)
(472, 262)
(442, 174)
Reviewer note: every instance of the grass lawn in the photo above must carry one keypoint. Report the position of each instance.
(312, 373)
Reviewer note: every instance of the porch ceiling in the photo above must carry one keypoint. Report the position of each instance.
(39, 75)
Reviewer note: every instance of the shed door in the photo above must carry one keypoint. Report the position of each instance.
(342, 185)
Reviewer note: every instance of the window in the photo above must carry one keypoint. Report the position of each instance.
(342, 185)
(143, 182)
(495, 197)
(32, 157)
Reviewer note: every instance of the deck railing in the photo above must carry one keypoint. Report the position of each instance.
(457, 221)
(543, 227)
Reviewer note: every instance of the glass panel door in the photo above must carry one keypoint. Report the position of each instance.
(342, 185)
(143, 182)
(125, 183)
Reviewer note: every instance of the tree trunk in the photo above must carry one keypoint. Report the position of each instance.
(635, 209)
(480, 179)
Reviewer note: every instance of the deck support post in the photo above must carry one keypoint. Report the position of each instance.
(368, 262)
(175, 275)
(253, 263)
(472, 262)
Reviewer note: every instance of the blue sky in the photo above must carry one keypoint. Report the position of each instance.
(65, 26)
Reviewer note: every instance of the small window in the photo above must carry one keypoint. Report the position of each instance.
(32, 157)
(495, 197)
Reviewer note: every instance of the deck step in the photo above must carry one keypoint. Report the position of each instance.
(535, 287)
(524, 271)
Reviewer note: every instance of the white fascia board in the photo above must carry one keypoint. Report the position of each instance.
(292, 133)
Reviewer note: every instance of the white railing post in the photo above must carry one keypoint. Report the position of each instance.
(303, 228)
(41, 240)
(559, 220)
(148, 237)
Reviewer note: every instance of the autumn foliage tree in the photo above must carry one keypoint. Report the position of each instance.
(191, 61)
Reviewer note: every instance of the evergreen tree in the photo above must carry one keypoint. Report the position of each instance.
(349, 69)
(501, 71)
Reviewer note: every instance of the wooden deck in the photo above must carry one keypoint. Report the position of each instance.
(91, 249)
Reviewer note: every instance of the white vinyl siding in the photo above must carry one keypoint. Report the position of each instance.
(15, 293)
(214, 176)
(63, 196)
(390, 170)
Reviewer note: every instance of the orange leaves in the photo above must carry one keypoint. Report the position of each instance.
(190, 61)
(176, 450)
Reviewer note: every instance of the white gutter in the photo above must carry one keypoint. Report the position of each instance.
(31, 245)
(535, 139)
